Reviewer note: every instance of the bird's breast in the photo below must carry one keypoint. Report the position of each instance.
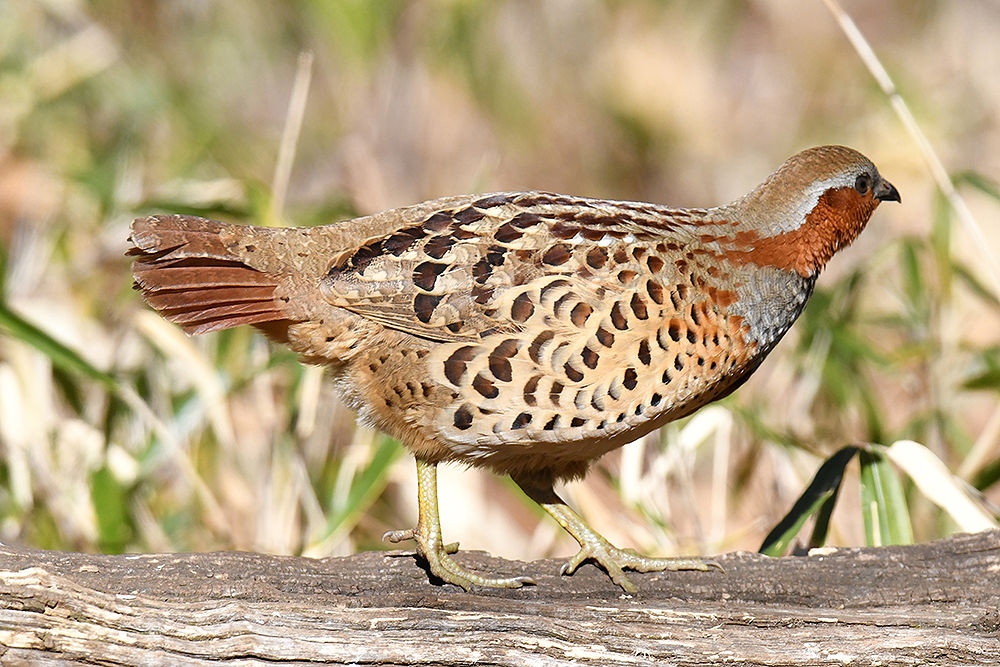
(585, 375)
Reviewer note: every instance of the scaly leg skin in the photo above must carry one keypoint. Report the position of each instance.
(594, 547)
(431, 545)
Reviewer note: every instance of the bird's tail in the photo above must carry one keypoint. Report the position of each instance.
(206, 275)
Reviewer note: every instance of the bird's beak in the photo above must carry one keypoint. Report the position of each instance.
(886, 191)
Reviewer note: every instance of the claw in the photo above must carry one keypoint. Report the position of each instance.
(615, 561)
(569, 567)
(712, 563)
(444, 567)
(595, 548)
(397, 536)
(431, 547)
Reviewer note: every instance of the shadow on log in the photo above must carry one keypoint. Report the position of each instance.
(925, 604)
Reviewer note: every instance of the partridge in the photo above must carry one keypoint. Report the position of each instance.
(524, 332)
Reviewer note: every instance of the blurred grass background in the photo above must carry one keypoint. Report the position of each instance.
(118, 433)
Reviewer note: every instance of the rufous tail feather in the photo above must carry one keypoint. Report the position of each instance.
(185, 270)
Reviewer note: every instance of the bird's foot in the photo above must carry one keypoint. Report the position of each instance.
(444, 567)
(615, 561)
(397, 536)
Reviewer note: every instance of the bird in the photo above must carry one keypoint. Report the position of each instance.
(527, 333)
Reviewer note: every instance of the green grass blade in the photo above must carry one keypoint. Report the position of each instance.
(987, 476)
(110, 506)
(980, 182)
(365, 488)
(897, 508)
(870, 502)
(884, 508)
(820, 496)
(821, 527)
(61, 356)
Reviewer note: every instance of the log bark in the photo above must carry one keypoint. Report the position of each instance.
(926, 604)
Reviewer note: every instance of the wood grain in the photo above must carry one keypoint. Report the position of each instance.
(925, 604)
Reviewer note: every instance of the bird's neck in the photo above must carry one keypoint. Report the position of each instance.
(800, 237)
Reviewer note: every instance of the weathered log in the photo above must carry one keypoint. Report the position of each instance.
(935, 603)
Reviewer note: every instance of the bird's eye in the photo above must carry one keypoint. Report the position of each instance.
(862, 183)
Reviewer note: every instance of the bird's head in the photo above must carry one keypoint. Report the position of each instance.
(816, 203)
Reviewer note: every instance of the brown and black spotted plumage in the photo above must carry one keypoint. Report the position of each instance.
(526, 332)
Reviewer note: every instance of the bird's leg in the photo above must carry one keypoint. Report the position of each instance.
(593, 546)
(430, 544)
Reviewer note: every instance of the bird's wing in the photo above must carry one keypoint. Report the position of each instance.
(485, 265)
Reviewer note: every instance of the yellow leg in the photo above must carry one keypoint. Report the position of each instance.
(430, 544)
(594, 547)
